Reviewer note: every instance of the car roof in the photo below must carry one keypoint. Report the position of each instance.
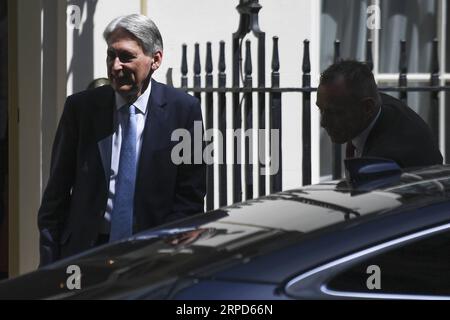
(314, 207)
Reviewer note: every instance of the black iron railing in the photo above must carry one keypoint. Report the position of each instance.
(242, 90)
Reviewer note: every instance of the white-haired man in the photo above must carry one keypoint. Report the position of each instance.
(111, 172)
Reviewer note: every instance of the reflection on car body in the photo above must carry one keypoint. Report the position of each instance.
(312, 242)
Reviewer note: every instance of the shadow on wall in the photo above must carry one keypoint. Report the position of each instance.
(81, 65)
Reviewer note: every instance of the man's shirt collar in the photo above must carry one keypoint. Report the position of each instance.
(360, 140)
(141, 102)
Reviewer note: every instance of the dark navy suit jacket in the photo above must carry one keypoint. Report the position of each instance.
(74, 200)
(401, 135)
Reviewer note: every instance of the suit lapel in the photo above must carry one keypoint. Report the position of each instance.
(104, 129)
(104, 147)
(374, 133)
(156, 126)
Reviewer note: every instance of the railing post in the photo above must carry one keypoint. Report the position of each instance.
(261, 140)
(434, 94)
(403, 68)
(209, 124)
(197, 70)
(236, 107)
(248, 11)
(222, 111)
(184, 67)
(337, 51)
(275, 123)
(306, 125)
(236, 125)
(369, 58)
(248, 111)
(169, 77)
(336, 149)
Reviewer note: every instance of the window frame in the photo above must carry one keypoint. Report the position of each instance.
(320, 276)
(416, 78)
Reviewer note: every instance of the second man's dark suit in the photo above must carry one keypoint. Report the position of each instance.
(74, 202)
(401, 135)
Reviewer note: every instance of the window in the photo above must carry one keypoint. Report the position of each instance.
(420, 267)
(417, 22)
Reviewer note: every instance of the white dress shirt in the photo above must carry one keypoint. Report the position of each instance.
(360, 140)
(120, 120)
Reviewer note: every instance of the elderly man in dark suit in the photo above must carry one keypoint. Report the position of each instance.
(111, 173)
(372, 124)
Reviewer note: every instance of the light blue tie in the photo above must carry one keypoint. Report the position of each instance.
(122, 214)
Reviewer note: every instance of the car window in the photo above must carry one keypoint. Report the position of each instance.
(420, 267)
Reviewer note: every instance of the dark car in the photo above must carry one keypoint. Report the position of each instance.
(383, 233)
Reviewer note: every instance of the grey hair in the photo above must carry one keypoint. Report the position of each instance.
(141, 27)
